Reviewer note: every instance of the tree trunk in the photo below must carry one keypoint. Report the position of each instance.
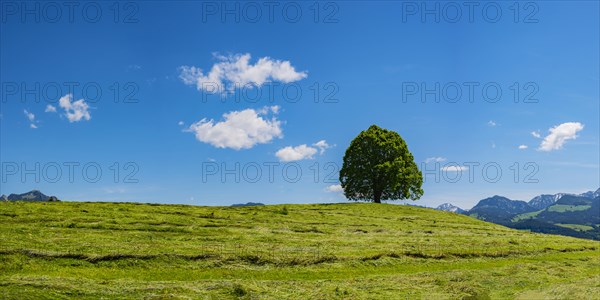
(377, 197)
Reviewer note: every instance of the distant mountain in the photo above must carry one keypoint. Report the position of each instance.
(498, 209)
(562, 213)
(574, 200)
(543, 201)
(451, 208)
(571, 215)
(247, 204)
(591, 194)
(34, 195)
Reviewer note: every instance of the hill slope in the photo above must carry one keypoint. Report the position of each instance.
(499, 209)
(571, 215)
(356, 251)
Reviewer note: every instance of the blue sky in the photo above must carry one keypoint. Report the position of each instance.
(171, 142)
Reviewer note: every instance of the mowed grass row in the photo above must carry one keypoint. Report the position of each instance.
(90, 250)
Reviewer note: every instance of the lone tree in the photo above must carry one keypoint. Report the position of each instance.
(378, 166)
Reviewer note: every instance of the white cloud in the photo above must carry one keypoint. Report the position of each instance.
(303, 151)
(523, 147)
(536, 134)
(493, 145)
(30, 116)
(180, 123)
(239, 129)
(559, 134)
(322, 145)
(435, 159)
(336, 188)
(75, 111)
(491, 123)
(50, 108)
(235, 71)
(296, 153)
(454, 168)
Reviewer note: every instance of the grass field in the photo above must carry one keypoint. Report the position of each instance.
(577, 226)
(525, 216)
(327, 251)
(564, 208)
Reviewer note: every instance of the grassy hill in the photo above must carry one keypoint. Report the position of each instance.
(339, 251)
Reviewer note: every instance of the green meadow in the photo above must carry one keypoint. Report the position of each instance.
(563, 208)
(321, 251)
(576, 226)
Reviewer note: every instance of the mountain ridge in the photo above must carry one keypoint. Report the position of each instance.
(450, 208)
(570, 214)
(33, 195)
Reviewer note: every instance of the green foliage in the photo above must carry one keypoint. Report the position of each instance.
(284, 211)
(238, 290)
(378, 166)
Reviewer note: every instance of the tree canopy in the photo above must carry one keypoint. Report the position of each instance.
(378, 166)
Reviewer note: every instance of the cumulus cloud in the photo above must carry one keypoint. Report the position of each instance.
(236, 71)
(303, 151)
(491, 123)
(180, 123)
(239, 129)
(336, 188)
(75, 111)
(559, 134)
(32, 126)
(435, 159)
(454, 168)
(536, 134)
(523, 147)
(50, 108)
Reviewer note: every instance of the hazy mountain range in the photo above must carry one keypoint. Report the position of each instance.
(34, 195)
(247, 204)
(537, 202)
(451, 208)
(567, 214)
